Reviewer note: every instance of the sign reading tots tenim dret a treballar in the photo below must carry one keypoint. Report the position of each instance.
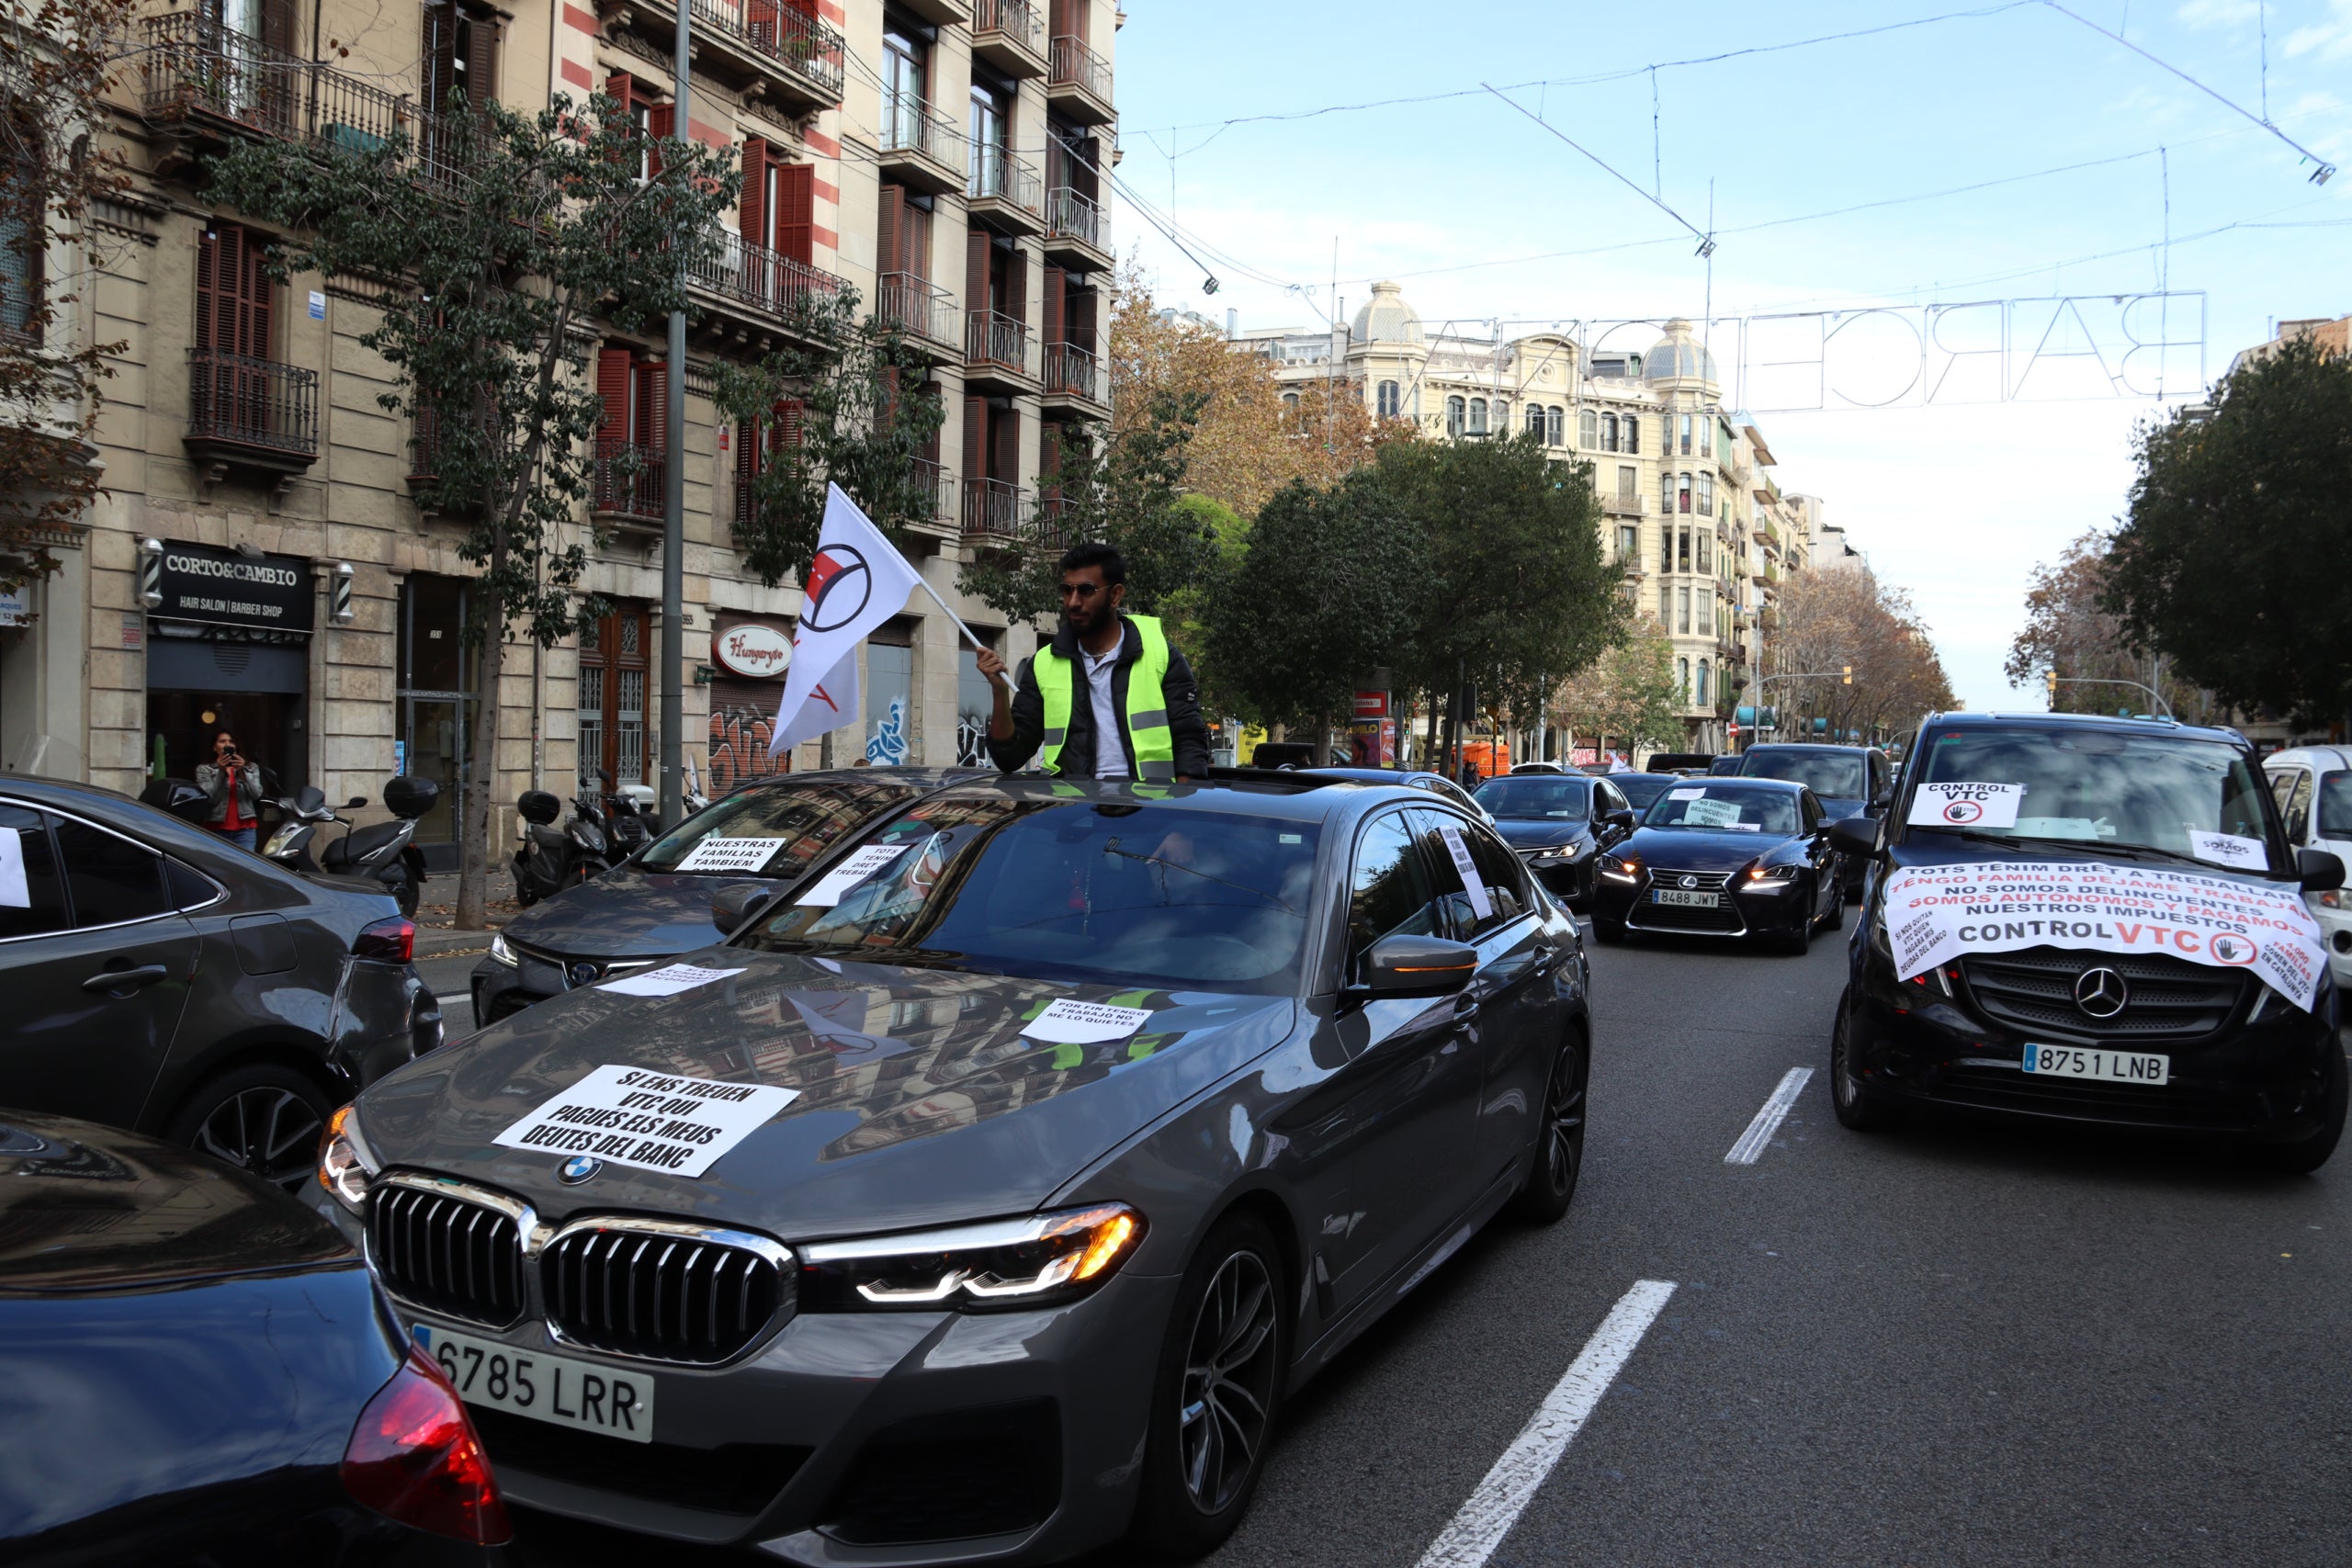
(1937, 912)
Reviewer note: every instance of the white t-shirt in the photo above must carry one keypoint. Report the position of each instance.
(1110, 755)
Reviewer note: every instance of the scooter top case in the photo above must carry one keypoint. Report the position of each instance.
(409, 797)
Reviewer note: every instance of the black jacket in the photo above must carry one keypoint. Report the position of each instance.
(1183, 695)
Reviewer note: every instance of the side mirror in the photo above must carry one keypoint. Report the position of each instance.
(737, 904)
(355, 802)
(1856, 836)
(1621, 819)
(2323, 873)
(1418, 966)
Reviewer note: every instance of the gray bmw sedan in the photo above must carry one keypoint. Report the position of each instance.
(986, 1200)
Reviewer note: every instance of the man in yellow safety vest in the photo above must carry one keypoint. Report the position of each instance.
(1101, 663)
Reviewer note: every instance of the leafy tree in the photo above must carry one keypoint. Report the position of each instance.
(56, 61)
(2236, 535)
(834, 412)
(1630, 695)
(497, 256)
(2069, 629)
(1328, 588)
(1829, 619)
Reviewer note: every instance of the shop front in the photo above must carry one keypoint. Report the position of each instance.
(228, 653)
(748, 655)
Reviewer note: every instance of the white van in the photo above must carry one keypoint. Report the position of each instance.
(2313, 785)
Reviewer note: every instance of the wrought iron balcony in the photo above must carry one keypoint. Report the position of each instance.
(921, 145)
(935, 477)
(773, 45)
(995, 512)
(763, 280)
(1008, 34)
(1076, 218)
(1073, 372)
(1625, 505)
(1004, 186)
(995, 342)
(918, 308)
(1079, 80)
(252, 411)
(628, 481)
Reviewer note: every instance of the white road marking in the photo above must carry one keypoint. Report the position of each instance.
(1750, 1146)
(1474, 1534)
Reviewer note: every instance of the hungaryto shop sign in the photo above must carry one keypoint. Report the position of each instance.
(1937, 912)
(222, 588)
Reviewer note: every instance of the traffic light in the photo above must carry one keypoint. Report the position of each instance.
(1850, 674)
(2052, 676)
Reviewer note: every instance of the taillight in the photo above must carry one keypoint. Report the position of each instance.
(387, 942)
(414, 1458)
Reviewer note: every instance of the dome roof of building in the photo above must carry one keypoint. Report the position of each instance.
(1386, 318)
(1677, 356)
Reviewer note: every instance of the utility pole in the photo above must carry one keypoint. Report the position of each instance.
(674, 499)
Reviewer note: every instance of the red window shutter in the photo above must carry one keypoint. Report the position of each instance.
(1054, 320)
(257, 291)
(654, 407)
(791, 427)
(976, 436)
(976, 270)
(796, 214)
(887, 242)
(207, 274)
(753, 209)
(621, 90)
(659, 121)
(747, 461)
(612, 384)
(914, 241)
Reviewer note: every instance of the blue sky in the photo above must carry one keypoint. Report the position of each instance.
(1954, 501)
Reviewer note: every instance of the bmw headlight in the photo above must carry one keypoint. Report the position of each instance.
(1621, 868)
(1042, 1260)
(500, 952)
(345, 1167)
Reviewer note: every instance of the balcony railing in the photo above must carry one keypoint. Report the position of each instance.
(1005, 176)
(267, 409)
(765, 279)
(991, 338)
(916, 306)
(1014, 19)
(1075, 65)
(935, 477)
(1073, 372)
(1071, 214)
(1625, 505)
(994, 511)
(795, 40)
(628, 481)
(911, 127)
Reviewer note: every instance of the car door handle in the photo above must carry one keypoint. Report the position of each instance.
(126, 979)
(1466, 1008)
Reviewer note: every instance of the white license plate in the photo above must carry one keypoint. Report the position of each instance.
(2109, 1066)
(1676, 895)
(546, 1387)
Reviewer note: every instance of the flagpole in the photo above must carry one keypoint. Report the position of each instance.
(971, 636)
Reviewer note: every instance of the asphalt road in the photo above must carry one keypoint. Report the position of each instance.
(1963, 1343)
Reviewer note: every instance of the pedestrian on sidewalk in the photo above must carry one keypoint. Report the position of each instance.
(1109, 698)
(234, 785)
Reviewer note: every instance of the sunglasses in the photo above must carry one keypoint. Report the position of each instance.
(1080, 589)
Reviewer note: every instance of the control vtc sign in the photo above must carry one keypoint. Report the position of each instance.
(222, 588)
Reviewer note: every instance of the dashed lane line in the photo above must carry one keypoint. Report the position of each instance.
(1752, 1143)
(1474, 1534)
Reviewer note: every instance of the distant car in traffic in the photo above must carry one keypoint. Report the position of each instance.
(2311, 786)
(1849, 780)
(1559, 823)
(161, 978)
(1724, 858)
(1411, 778)
(1678, 762)
(2092, 920)
(200, 1370)
(1536, 768)
(1642, 791)
(972, 1204)
(748, 846)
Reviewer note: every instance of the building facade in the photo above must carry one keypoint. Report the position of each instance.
(259, 562)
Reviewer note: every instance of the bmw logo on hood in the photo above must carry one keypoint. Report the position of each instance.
(577, 1169)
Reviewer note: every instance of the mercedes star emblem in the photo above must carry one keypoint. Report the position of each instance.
(1689, 882)
(2100, 993)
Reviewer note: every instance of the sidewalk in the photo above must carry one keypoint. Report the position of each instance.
(437, 935)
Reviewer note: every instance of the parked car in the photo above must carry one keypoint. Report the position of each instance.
(749, 846)
(1559, 823)
(1725, 858)
(1849, 780)
(1001, 1152)
(2131, 948)
(200, 1371)
(2311, 786)
(159, 977)
(1436, 784)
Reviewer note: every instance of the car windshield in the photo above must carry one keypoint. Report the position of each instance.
(773, 829)
(1840, 777)
(1537, 797)
(1725, 807)
(2335, 805)
(1079, 891)
(1642, 790)
(2173, 793)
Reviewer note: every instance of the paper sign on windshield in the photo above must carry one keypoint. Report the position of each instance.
(14, 893)
(861, 864)
(666, 981)
(1480, 905)
(1938, 913)
(716, 853)
(652, 1121)
(1069, 1022)
(1967, 804)
(2231, 849)
(1710, 813)
(1686, 794)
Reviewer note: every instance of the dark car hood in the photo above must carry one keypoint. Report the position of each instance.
(627, 914)
(919, 1103)
(1700, 849)
(1531, 833)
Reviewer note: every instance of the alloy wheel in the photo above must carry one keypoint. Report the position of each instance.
(265, 1131)
(1563, 1118)
(1229, 1372)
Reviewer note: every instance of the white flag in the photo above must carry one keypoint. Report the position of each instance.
(857, 582)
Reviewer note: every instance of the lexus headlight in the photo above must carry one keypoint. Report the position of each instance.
(502, 954)
(1773, 874)
(345, 1167)
(1042, 1260)
(1620, 868)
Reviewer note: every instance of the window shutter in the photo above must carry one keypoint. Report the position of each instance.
(659, 121)
(1016, 286)
(1049, 457)
(207, 272)
(1080, 308)
(1007, 432)
(791, 426)
(654, 406)
(256, 289)
(753, 211)
(976, 426)
(888, 243)
(482, 59)
(1053, 315)
(612, 384)
(796, 214)
(278, 24)
(976, 270)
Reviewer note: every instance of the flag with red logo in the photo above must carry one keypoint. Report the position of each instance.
(856, 581)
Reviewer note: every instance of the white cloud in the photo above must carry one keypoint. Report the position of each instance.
(2329, 39)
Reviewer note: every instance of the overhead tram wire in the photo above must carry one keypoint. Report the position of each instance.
(1706, 239)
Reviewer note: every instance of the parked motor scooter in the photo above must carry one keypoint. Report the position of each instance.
(552, 859)
(634, 823)
(384, 853)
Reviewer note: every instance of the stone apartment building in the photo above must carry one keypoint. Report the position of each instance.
(258, 562)
(1703, 533)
